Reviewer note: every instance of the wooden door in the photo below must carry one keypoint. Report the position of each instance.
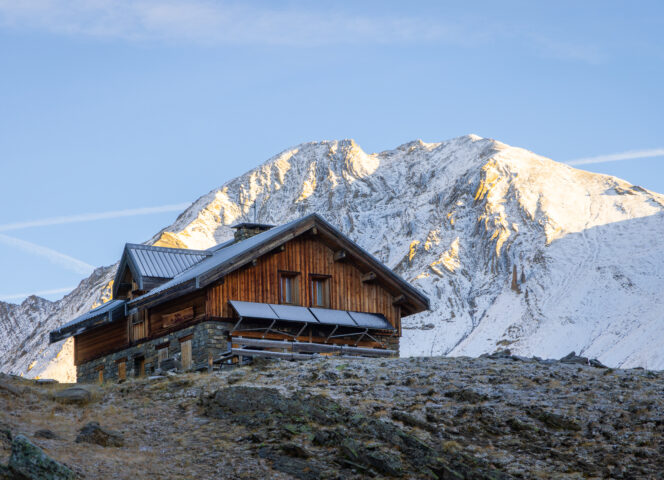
(122, 370)
(185, 348)
(139, 366)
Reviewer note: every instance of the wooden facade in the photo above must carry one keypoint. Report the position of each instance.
(308, 258)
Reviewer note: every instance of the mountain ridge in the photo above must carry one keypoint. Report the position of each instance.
(455, 218)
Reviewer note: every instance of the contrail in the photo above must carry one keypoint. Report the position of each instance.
(616, 157)
(54, 291)
(58, 258)
(88, 217)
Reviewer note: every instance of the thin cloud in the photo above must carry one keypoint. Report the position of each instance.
(565, 50)
(219, 22)
(15, 296)
(70, 263)
(617, 157)
(88, 217)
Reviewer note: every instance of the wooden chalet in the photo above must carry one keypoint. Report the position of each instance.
(287, 291)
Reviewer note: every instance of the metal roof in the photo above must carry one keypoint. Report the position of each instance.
(106, 313)
(219, 258)
(262, 226)
(146, 261)
(163, 262)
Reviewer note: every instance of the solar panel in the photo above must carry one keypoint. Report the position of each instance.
(326, 316)
(371, 320)
(253, 310)
(333, 317)
(293, 313)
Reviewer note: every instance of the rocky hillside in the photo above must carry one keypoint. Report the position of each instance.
(457, 219)
(433, 417)
(24, 329)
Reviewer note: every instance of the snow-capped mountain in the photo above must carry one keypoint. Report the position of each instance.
(457, 219)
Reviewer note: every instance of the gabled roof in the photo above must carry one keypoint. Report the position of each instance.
(106, 313)
(228, 259)
(146, 261)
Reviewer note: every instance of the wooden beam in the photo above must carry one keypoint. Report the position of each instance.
(340, 255)
(400, 300)
(368, 277)
(266, 353)
(311, 347)
(302, 339)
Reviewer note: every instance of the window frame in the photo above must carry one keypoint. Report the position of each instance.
(315, 278)
(295, 288)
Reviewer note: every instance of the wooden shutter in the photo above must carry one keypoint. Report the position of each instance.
(162, 354)
(100, 369)
(122, 370)
(185, 348)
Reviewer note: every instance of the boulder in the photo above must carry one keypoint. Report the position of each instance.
(572, 357)
(5, 436)
(30, 462)
(501, 353)
(9, 388)
(596, 363)
(45, 433)
(78, 395)
(94, 433)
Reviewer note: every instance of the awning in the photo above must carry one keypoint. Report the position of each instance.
(320, 316)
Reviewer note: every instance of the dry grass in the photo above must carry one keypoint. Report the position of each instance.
(165, 437)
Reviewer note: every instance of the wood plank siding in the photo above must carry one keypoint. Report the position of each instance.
(310, 258)
(177, 313)
(100, 341)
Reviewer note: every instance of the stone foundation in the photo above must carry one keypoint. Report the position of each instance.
(207, 339)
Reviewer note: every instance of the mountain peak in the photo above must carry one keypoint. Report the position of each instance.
(456, 218)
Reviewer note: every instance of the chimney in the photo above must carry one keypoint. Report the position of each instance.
(247, 230)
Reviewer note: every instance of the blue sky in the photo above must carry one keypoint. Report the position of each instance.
(114, 106)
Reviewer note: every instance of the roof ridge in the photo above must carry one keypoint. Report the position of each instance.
(184, 251)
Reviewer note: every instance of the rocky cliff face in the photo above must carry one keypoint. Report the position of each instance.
(24, 329)
(457, 219)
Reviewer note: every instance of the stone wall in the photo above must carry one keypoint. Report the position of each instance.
(208, 338)
(391, 342)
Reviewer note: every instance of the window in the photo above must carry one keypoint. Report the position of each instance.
(185, 349)
(320, 291)
(139, 326)
(289, 288)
